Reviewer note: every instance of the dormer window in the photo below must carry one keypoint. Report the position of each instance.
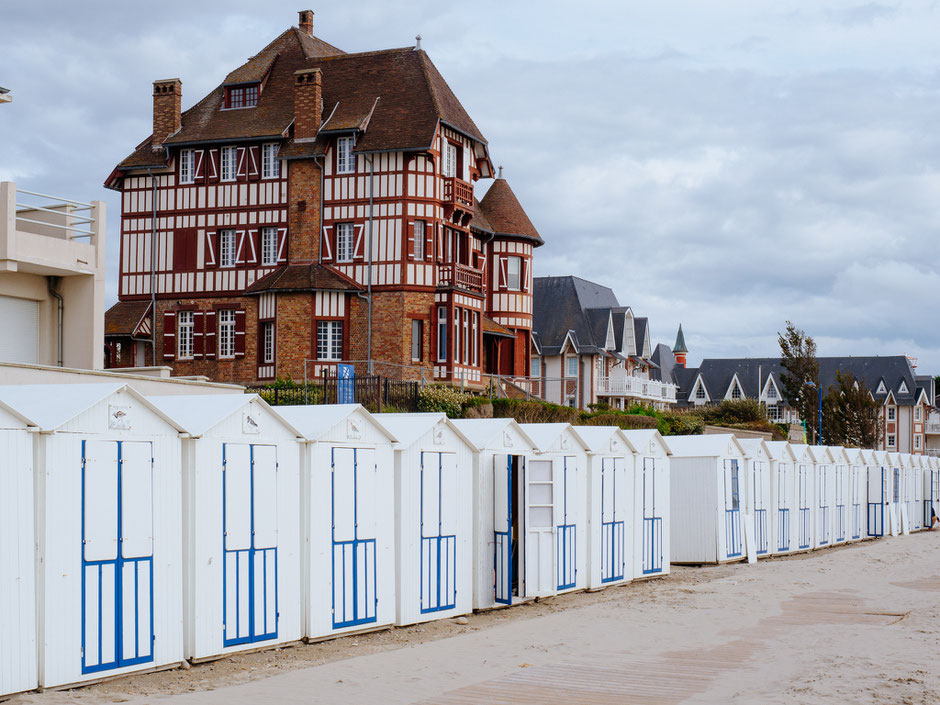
(241, 96)
(736, 392)
(700, 392)
(771, 392)
(345, 160)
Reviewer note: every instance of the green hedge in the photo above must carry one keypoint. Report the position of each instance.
(625, 421)
(533, 411)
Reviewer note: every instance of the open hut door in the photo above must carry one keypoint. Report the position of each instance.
(570, 502)
(734, 533)
(438, 572)
(503, 528)
(784, 500)
(804, 488)
(117, 554)
(538, 549)
(249, 576)
(614, 512)
(653, 483)
(760, 482)
(877, 501)
(354, 537)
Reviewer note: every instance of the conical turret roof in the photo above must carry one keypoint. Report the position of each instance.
(506, 215)
(680, 347)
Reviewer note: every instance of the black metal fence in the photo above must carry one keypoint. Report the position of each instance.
(374, 392)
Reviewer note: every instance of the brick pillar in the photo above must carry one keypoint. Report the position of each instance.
(303, 177)
(306, 22)
(308, 103)
(166, 108)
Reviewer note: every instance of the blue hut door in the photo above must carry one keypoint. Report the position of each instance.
(438, 500)
(538, 549)
(805, 523)
(760, 481)
(354, 537)
(652, 560)
(250, 535)
(613, 512)
(784, 502)
(568, 528)
(733, 532)
(117, 554)
(503, 528)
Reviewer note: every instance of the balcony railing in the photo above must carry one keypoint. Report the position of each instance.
(458, 192)
(932, 428)
(461, 276)
(636, 387)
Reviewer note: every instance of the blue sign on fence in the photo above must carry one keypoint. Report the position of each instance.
(345, 382)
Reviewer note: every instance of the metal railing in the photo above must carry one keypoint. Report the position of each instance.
(74, 218)
(374, 392)
(628, 386)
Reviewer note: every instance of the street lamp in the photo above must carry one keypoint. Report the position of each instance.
(819, 397)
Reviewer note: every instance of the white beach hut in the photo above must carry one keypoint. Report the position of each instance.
(857, 498)
(909, 468)
(759, 500)
(896, 492)
(651, 554)
(805, 497)
(880, 488)
(109, 530)
(707, 491)
(562, 445)
(931, 490)
(840, 494)
(347, 475)
(783, 490)
(917, 493)
(18, 656)
(514, 524)
(434, 517)
(610, 506)
(241, 523)
(825, 473)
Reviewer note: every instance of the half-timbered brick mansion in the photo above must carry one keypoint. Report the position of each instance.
(319, 206)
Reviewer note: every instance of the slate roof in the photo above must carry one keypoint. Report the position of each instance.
(303, 277)
(506, 215)
(718, 373)
(561, 304)
(398, 94)
(125, 317)
(641, 328)
(665, 360)
(680, 346)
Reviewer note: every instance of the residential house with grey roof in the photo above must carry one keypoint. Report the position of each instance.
(905, 397)
(586, 347)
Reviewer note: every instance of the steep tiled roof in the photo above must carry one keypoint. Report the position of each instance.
(479, 221)
(397, 96)
(505, 213)
(303, 277)
(491, 327)
(665, 360)
(124, 318)
(561, 304)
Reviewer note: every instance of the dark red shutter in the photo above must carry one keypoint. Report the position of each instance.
(210, 346)
(184, 250)
(169, 334)
(411, 243)
(239, 333)
(241, 164)
(198, 334)
(254, 163)
(199, 159)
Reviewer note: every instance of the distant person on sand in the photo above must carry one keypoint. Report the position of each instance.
(933, 520)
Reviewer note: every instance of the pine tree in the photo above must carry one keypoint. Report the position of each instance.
(798, 359)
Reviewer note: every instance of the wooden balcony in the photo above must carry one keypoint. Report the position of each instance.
(460, 276)
(458, 194)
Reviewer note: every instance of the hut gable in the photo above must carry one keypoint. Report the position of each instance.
(649, 442)
(429, 430)
(606, 440)
(755, 448)
(336, 423)
(496, 434)
(554, 437)
(712, 446)
(781, 450)
(821, 454)
(226, 415)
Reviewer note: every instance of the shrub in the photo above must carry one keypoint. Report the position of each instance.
(534, 411)
(624, 421)
(481, 409)
(438, 397)
(683, 423)
(732, 411)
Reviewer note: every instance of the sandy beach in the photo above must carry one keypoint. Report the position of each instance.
(858, 624)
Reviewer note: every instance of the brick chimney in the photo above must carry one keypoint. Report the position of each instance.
(306, 22)
(166, 108)
(308, 103)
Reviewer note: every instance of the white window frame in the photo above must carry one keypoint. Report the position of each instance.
(891, 413)
(345, 159)
(442, 334)
(891, 440)
(917, 414)
(228, 163)
(771, 392)
(535, 367)
(228, 248)
(330, 341)
(736, 392)
(466, 337)
(267, 340)
(226, 333)
(700, 392)
(916, 441)
(449, 161)
(187, 166)
(345, 242)
(420, 233)
(474, 328)
(185, 335)
(573, 359)
(270, 165)
(514, 279)
(268, 246)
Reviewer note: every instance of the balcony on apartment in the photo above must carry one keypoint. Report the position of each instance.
(48, 235)
(460, 276)
(458, 194)
(636, 388)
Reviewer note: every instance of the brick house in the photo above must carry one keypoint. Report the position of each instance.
(319, 207)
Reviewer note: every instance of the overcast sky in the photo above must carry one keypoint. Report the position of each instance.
(729, 165)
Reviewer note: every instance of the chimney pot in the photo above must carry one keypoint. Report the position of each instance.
(167, 94)
(306, 22)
